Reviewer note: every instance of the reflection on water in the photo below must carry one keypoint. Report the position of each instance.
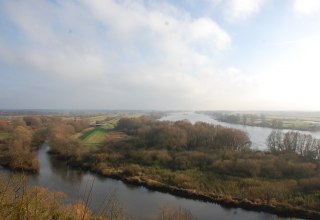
(62, 170)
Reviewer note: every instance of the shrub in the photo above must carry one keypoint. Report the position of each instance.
(311, 184)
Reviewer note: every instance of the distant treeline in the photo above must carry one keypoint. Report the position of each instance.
(249, 119)
(265, 120)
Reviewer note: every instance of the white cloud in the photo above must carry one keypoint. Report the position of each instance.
(46, 42)
(130, 20)
(237, 10)
(104, 30)
(307, 6)
(292, 80)
(207, 30)
(30, 17)
(124, 55)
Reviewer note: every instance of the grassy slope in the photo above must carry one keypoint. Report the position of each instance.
(97, 135)
(94, 136)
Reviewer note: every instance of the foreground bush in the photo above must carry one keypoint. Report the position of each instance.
(18, 201)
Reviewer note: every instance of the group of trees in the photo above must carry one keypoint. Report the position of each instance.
(182, 135)
(292, 141)
(20, 154)
(62, 140)
(249, 119)
(241, 118)
(182, 146)
(17, 149)
(25, 134)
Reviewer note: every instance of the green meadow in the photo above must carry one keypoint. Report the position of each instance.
(96, 136)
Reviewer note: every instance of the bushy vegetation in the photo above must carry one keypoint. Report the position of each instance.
(203, 158)
(22, 136)
(182, 135)
(208, 159)
(17, 147)
(19, 201)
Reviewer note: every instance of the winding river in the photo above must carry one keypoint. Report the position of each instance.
(139, 202)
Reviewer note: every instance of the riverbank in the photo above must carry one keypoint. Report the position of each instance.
(272, 206)
(28, 164)
(184, 159)
(282, 210)
(24, 169)
(261, 125)
(279, 209)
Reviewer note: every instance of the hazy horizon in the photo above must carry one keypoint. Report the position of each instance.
(233, 55)
(154, 110)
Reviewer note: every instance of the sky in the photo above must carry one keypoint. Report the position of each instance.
(160, 55)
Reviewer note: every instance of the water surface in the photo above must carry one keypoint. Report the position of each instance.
(257, 135)
(139, 202)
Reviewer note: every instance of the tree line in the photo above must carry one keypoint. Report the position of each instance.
(249, 119)
(22, 136)
(182, 135)
(292, 141)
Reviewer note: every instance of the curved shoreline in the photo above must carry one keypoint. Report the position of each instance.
(21, 169)
(279, 209)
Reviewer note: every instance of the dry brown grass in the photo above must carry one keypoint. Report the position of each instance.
(115, 136)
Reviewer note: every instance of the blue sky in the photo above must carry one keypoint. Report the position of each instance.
(218, 54)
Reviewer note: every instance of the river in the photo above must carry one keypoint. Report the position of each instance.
(139, 202)
(257, 135)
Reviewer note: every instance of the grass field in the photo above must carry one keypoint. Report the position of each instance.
(97, 135)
